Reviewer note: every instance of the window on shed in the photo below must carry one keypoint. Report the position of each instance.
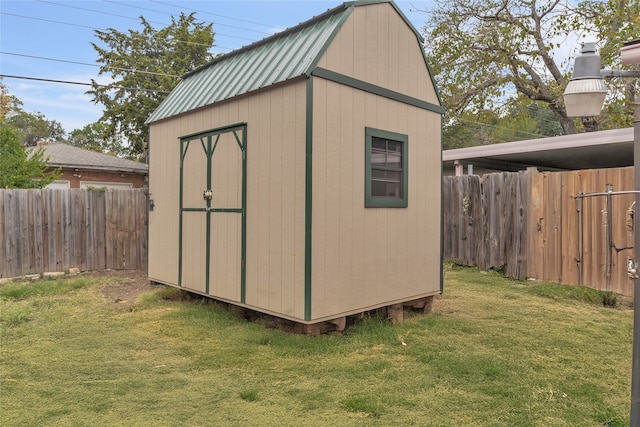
(385, 169)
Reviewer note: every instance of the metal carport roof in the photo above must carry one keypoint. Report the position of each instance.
(594, 150)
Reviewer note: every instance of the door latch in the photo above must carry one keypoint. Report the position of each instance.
(207, 194)
(632, 269)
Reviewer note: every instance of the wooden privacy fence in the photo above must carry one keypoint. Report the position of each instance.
(486, 221)
(54, 230)
(572, 227)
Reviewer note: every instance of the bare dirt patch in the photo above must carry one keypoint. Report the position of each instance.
(126, 287)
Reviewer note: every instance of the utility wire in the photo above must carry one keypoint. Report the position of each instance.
(213, 14)
(126, 17)
(80, 83)
(169, 13)
(88, 64)
(52, 21)
(96, 29)
(95, 11)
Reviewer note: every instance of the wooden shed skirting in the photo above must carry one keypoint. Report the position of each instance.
(55, 230)
(545, 226)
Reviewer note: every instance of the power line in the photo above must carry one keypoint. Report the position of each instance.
(125, 17)
(52, 21)
(213, 14)
(80, 83)
(96, 29)
(169, 13)
(88, 64)
(94, 11)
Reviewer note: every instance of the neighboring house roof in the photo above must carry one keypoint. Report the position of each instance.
(593, 150)
(286, 55)
(67, 156)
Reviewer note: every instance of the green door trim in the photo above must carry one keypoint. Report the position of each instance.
(209, 145)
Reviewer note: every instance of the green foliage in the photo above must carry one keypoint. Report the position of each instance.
(249, 395)
(15, 316)
(489, 53)
(19, 168)
(31, 127)
(520, 120)
(8, 102)
(34, 127)
(97, 137)
(145, 66)
(363, 404)
(578, 293)
(20, 290)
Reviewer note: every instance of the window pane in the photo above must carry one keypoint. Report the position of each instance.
(393, 160)
(385, 162)
(393, 176)
(378, 143)
(385, 175)
(385, 189)
(378, 174)
(394, 146)
(378, 188)
(378, 158)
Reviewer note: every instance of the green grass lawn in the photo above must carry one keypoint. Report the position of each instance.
(495, 352)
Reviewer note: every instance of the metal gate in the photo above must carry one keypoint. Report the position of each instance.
(212, 240)
(618, 233)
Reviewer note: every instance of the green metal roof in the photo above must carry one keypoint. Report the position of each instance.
(283, 56)
(278, 58)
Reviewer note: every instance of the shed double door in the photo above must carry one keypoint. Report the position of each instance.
(213, 212)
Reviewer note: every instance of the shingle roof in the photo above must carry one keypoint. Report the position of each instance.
(68, 156)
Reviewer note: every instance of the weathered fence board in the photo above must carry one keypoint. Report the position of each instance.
(485, 221)
(54, 230)
(537, 225)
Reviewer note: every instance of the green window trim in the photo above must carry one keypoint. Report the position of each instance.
(371, 201)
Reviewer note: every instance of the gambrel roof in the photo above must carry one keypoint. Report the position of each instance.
(284, 56)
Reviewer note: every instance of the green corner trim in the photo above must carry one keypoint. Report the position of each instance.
(308, 199)
(329, 40)
(441, 214)
(180, 215)
(376, 90)
(243, 250)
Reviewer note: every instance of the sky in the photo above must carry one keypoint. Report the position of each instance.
(51, 39)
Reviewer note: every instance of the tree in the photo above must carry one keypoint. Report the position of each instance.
(144, 66)
(96, 137)
(31, 127)
(518, 121)
(18, 167)
(34, 127)
(487, 52)
(8, 103)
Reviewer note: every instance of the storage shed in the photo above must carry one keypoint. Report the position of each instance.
(300, 176)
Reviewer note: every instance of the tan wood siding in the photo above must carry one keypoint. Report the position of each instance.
(164, 183)
(275, 195)
(365, 257)
(375, 45)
